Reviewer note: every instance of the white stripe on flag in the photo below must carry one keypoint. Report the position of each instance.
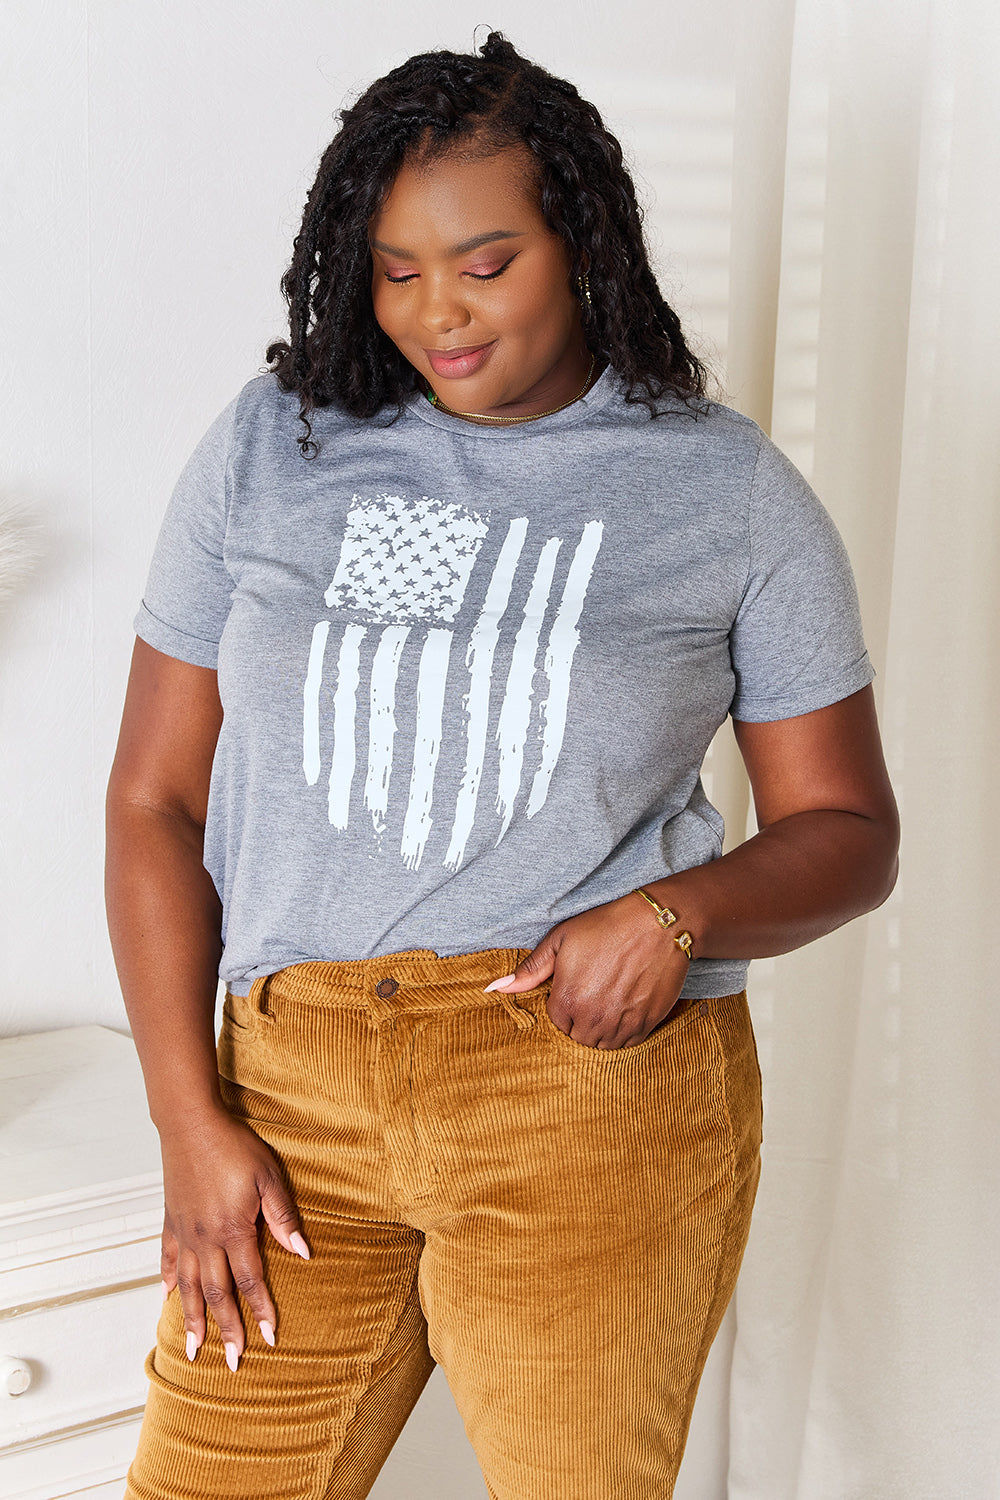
(310, 703)
(382, 721)
(479, 659)
(345, 707)
(431, 682)
(563, 640)
(515, 715)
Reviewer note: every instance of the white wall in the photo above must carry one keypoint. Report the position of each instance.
(155, 160)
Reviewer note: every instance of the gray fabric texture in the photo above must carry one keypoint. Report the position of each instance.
(470, 674)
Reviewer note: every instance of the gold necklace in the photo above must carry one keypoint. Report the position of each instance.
(475, 416)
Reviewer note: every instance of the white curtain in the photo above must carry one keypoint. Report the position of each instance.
(861, 1360)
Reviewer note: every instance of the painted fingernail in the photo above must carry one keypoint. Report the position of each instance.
(166, 1290)
(192, 1345)
(499, 984)
(299, 1245)
(267, 1332)
(232, 1357)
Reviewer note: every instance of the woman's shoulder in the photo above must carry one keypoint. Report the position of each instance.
(731, 461)
(688, 430)
(264, 415)
(685, 417)
(263, 398)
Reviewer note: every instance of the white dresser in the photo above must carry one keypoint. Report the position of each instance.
(80, 1216)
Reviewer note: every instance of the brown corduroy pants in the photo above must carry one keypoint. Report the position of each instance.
(559, 1227)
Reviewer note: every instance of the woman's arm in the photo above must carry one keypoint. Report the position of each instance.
(825, 852)
(163, 910)
(164, 917)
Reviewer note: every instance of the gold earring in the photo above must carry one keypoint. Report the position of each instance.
(583, 283)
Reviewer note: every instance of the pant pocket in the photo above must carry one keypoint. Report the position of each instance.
(683, 1015)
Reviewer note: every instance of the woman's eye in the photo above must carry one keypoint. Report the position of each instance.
(402, 277)
(490, 275)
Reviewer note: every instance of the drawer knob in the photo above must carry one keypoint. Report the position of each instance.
(15, 1375)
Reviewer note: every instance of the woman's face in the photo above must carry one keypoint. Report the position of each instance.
(473, 287)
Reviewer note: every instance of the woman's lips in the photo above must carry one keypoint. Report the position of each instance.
(457, 364)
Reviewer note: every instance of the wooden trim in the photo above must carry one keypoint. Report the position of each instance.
(68, 1298)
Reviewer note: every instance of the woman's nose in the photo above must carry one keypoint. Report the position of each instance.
(441, 309)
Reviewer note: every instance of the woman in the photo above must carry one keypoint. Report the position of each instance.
(475, 573)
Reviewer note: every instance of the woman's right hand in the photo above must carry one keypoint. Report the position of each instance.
(218, 1179)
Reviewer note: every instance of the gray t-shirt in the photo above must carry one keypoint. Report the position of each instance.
(470, 674)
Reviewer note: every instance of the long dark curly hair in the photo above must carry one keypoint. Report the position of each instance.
(336, 351)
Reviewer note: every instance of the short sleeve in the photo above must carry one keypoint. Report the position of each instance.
(187, 597)
(796, 643)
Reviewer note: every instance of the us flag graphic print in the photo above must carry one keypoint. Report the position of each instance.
(403, 572)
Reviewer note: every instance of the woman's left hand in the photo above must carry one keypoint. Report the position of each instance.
(615, 974)
(825, 852)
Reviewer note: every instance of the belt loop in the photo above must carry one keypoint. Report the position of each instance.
(263, 1005)
(523, 1019)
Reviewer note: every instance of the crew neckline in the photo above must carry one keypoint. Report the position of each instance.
(599, 395)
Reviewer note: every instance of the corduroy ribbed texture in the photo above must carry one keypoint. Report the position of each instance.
(560, 1227)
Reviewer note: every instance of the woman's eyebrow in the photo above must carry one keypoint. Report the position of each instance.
(462, 249)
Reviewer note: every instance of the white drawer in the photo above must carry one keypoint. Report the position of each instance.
(80, 1214)
(86, 1359)
(111, 1491)
(87, 1465)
